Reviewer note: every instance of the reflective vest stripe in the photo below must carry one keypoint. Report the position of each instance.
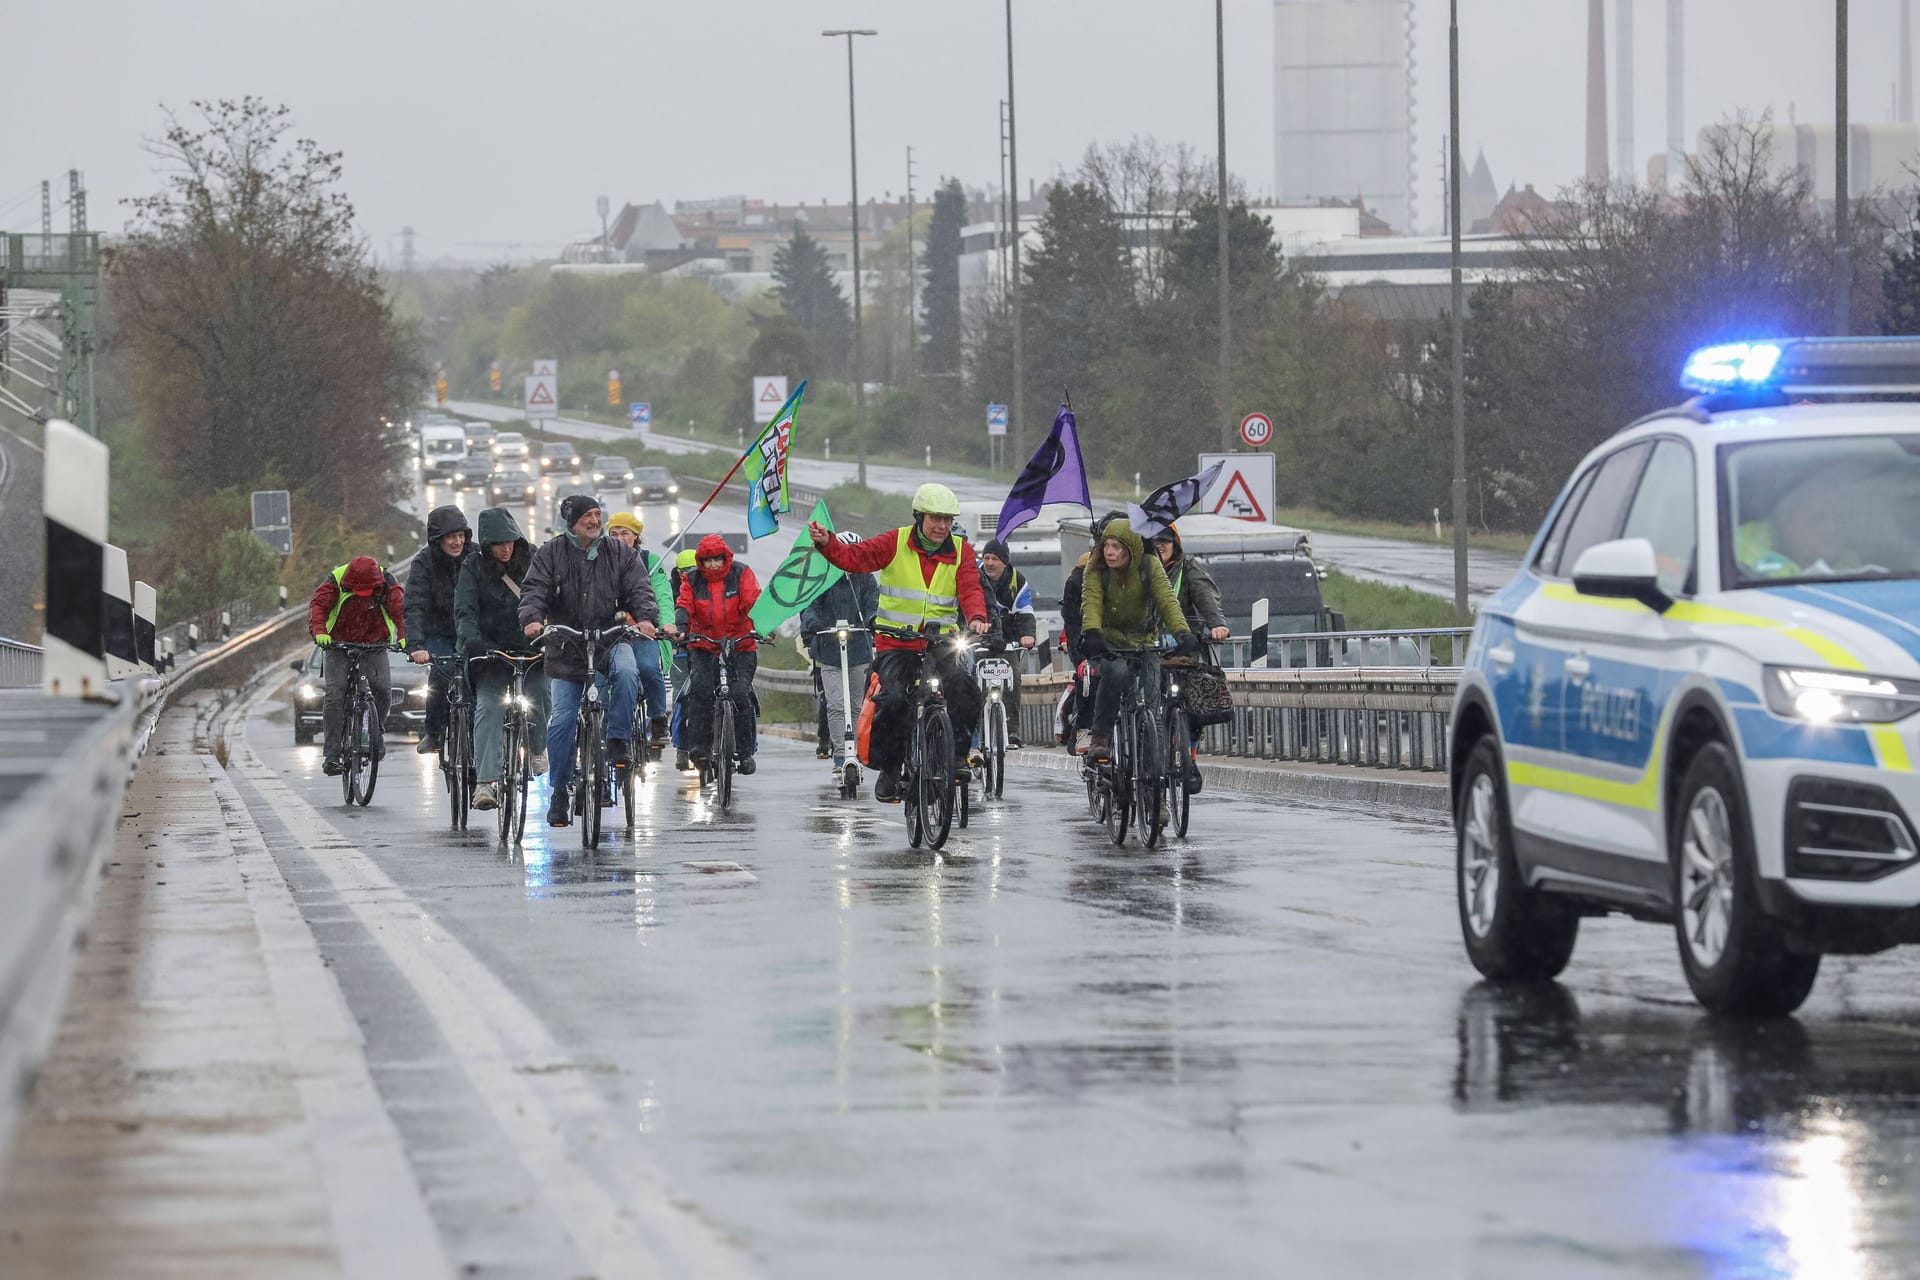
(340, 602)
(908, 600)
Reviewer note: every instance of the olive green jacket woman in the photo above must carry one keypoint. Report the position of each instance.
(1130, 607)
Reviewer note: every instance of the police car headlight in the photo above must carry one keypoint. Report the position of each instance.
(1840, 697)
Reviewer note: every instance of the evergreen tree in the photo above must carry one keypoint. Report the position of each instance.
(804, 283)
(1078, 301)
(1900, 282)
(940, 303)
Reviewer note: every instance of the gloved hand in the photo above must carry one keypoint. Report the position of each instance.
(1186, 644)
(1094, 645)
(323, 639)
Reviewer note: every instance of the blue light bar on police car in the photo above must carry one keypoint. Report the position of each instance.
(1807, 366)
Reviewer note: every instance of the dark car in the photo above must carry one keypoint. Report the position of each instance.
(559, 457)
(408, 691)
(610, 471)
(515, 484)
(653, 484)
(473, 473)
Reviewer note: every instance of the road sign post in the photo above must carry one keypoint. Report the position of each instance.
(996, 430)
(542, 398)
(613, 386)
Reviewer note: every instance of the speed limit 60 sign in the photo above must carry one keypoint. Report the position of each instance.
(1256, 429)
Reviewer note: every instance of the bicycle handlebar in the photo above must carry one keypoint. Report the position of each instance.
(367, 646)
(575, 633)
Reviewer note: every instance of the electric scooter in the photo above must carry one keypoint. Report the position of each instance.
(850, 775)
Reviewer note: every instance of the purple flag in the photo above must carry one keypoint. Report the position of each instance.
(1055, 473)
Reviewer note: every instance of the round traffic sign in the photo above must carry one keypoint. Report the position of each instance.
(1256, 429)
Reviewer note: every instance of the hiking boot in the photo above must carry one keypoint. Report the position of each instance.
(429, 745)
(745, 766)
(680, 762)
(1013, 742)
(559, 813)
(1100, 748)
(618, 751)
(657, 734)
(822, 752)
(1193, 775)
(484, 797)
(333, 767)
(886, 787)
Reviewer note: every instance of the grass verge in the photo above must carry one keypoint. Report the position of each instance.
(1376, 606)
(1315, 520)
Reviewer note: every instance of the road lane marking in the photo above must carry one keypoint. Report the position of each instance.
(583, 1157)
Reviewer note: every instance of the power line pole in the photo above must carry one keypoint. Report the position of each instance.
(1842, 232)
(1459, 304)
(913, 341)
(853, 155)
(46, 208)
(1016, 415)
(1226, 314)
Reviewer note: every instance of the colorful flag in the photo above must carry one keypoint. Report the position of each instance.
(1171, 501)
(766, 469)
(1055, 473)
(800, 580)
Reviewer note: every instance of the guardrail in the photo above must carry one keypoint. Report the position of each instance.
(20, 665)
(1401, 647)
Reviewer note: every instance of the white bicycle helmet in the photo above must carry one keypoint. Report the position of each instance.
(847, 536)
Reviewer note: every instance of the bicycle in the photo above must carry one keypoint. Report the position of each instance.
(516, 735)
(590, 736)
(456, 744)
(1179, 750)
(1132, 784)
(929, 779)
(717, 768)
(994, 675)
(358, 728)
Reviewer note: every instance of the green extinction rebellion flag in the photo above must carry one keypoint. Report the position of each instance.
(802, 578)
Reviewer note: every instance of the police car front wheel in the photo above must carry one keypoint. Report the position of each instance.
(1510, 930)
(1736, 959)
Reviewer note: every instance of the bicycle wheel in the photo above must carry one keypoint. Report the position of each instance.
(993, 751)
(629, 778)
(1179, 745)
(513, 776)
(1149, 778)
(349, 747)
(1118, 774)
(722, 755)
(591, 751)
(453, 763)
(936, 777)
(368, 772)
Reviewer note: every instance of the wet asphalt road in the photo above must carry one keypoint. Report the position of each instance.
(1259, 1052)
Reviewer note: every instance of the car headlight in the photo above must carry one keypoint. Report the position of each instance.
(673, 488)
(1840, 697)
(307, 692)
(417, 695)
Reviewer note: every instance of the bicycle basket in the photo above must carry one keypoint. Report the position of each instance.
(1205, 697)
(994, 673)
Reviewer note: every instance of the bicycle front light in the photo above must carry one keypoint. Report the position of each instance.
(933, 682)
(1840, 697)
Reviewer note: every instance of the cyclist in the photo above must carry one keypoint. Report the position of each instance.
(630, 529)
(486, 610)
(1126, 603)
(1009, 586)
(583, 579)
(1193, 586)
(683, 564)
(715, 601)
(855, 599)
(431, 580)
(1077, 714)
(930, 583)
(359, 603)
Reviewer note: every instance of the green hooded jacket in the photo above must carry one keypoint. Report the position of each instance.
(1129, 607)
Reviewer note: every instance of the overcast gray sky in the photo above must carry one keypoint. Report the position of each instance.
(488, 122)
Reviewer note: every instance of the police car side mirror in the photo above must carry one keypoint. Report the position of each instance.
(299, 664)
(1621, 570)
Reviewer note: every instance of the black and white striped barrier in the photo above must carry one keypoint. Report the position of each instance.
(123, 654)
(145, 602)
(226, 624)
(193, 636)
(283, 597)
(1257, 642)
(75, 505)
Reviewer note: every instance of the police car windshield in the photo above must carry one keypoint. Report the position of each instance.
(1821, 509)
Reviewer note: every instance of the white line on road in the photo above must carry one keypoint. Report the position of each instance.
(584, 1160)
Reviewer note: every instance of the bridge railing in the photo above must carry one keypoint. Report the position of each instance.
(20, 665)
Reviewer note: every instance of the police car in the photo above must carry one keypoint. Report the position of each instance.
(1696, 703)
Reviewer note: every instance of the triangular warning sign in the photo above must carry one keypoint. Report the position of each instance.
(1244, 507)
(769, 394)
(540, 394)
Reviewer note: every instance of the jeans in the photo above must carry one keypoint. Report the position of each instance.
(563, 721)
(653, 682)
(436, 724)
(374, 663)
(1117, 675)
(491, 684)
(702, 695)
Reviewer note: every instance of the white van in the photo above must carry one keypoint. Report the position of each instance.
(442, 449)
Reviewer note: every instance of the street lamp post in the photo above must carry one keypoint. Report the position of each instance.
(853, 157)
(1016, 413)
(1459, 303)
(1842, 231)
(1226, 315)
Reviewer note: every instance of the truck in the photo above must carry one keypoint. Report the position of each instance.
(443, 447)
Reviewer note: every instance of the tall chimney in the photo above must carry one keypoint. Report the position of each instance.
(1596, 91)
(1676, 92)
(1623, 90)
(1906, 62)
